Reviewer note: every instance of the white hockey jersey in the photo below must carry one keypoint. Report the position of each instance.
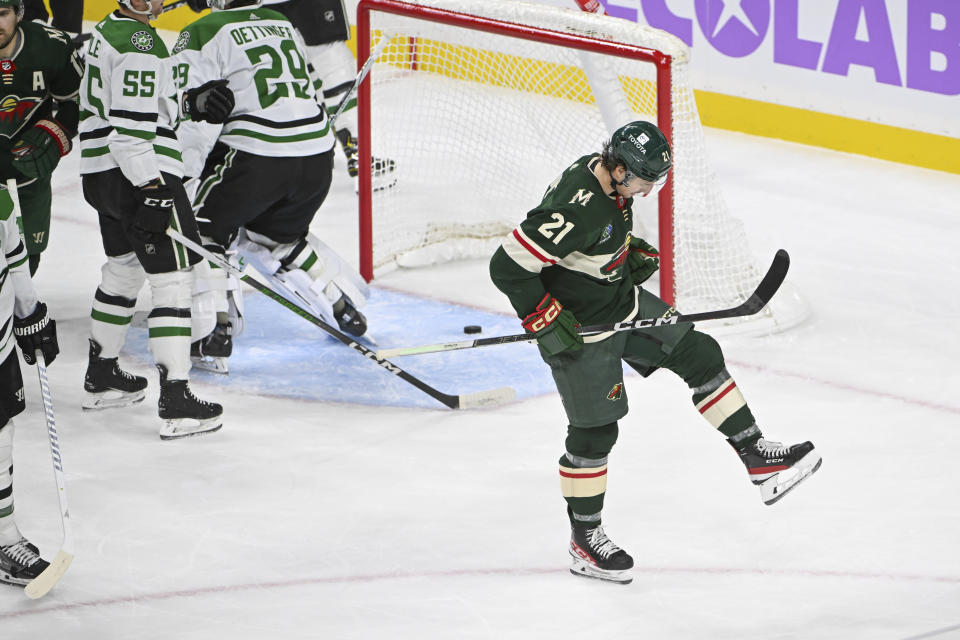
(17, 294)
(128, 103)
(263, 57)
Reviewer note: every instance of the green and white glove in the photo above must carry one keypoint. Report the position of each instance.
(556, 328)
(644, 260)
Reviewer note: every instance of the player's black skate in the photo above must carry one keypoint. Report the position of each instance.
(596, 556)
(776, 468)
(349, 318)
(20, 562)
(107, 385)
(182, 412)
(380, 167)
(212, 351)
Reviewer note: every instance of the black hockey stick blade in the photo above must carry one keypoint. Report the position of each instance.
(758, 300)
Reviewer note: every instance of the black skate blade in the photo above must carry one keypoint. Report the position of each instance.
(198, 430)
(803, 475)
(584, 569)
(98, 401)
(606, 577)
(211, 364)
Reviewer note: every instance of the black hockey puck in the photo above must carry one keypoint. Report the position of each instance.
(472, 328)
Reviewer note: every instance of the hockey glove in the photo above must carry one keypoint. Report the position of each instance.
(210, 102)
(198, 5)
(153, 214)
(40, 148)
(556, 328)
(644, 260)
(36, 331)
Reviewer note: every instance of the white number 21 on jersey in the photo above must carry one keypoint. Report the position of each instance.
(547, 227)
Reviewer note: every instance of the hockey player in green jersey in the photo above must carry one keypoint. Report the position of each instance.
(39, 80)
(574, 260)
(132, 169)
(267, 173)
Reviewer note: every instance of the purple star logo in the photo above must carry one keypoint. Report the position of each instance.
(734, 27)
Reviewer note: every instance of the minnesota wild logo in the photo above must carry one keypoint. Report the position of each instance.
(15, 110)
(142, 40)
(616, 392)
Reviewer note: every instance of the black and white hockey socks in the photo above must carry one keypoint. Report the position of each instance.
(8, 528)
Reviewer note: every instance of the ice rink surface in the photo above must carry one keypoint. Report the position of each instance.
(337, 503)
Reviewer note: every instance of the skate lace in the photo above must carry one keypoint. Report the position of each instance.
(21, 553)
(769, 447)
(601, 544)
(126, 375)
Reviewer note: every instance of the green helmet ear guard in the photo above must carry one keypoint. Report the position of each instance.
(642, 148)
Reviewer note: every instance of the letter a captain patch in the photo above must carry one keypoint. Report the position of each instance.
(616, 392)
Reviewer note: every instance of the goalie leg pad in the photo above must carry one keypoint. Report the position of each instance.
(216, 292)
(114, 302)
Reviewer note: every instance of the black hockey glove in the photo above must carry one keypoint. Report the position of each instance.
(211, 102)
(37, 331)
(198, 5)
(643, 260)
(153, 215)
(38, 151)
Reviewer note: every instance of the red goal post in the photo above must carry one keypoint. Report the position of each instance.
(466, 86)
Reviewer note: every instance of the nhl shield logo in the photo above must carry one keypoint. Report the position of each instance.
(616, 392)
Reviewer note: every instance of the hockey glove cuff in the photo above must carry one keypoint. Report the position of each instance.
(211, 102)
(556, 328)
(36, 331)
(40, 148)
(644, 260)
(153, 214)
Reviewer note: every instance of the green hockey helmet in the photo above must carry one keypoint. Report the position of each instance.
(642, 149)
(16, 5)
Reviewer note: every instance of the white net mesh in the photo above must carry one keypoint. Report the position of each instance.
(479, 124)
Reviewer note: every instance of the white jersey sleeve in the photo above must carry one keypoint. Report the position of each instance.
(17, 295)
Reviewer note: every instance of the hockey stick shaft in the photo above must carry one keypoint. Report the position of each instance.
(173, 5)
(758, 300)
(364, 70)
(43, 583)
(463, 401)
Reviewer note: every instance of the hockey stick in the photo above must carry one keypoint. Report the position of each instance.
(41, 585)
(757, 301)
(173, 5)
(364, 70)
(462, 401)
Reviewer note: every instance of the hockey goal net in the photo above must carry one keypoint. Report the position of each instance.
(483, 103)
